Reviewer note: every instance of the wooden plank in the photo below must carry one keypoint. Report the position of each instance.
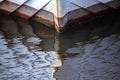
(50, 15)
(9, 6)
(44, 17)
(30, 8)
(115, 4)
(60, 12)
(98, 8)
(93, 6)
(111, 3)
(84, 3)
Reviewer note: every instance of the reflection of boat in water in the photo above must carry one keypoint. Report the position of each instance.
(91, 53)
(93, 59)
(58, 12)
(21, 56)
(22, 59)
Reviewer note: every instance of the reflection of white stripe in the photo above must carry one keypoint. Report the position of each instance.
(105, 1)
(37, 4)
(18, 1)
(68, 6)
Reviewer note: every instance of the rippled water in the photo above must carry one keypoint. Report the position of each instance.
(21, 56)
(22, 62)
(30, 51)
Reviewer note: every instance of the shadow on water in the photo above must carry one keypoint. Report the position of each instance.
(47, 35)
(35, 52)
(91, 52)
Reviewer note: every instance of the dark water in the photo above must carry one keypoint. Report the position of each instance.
(31, 51)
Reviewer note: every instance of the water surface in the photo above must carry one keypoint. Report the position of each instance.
(31, 51)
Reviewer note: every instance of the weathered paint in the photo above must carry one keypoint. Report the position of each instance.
(84, 3)
(44, 17)
(114, 4)
(93, 6)
(58, 12)
(65, 11)
(30, 8)
(8, 6)
(111, 3)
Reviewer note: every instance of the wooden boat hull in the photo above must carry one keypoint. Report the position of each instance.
(78, 12)
(8, 6)
(58, 13)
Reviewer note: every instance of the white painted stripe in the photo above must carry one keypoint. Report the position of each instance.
(60, 9)
(65, 7)
(105, 1)
(37, 4)
(84, 3)
(20, 2)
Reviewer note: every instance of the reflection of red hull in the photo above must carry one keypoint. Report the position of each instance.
(58, 13)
